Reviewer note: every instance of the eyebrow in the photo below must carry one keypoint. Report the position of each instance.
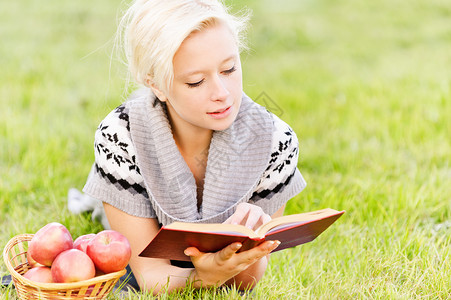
(201, 71)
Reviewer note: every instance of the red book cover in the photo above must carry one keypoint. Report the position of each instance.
(170, 243)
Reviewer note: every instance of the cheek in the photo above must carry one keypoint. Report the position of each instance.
(235, 83)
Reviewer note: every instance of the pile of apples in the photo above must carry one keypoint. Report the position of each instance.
(55, 258)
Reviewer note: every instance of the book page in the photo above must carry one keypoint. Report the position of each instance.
(260, 232)
(290, 219)
(213, 228)
(283, 226)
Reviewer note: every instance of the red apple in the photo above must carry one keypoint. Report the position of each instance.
(31, 261)
(81, 243)
(39, 274)
(48, 242)
(110, 251)
(72, 265)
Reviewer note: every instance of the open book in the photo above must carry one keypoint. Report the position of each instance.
(290, 230)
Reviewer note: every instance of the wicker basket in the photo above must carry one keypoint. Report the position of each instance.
(15, 257)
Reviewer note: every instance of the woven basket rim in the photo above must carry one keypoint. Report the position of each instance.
(51, 286)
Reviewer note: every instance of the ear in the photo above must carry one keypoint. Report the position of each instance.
(160, 95)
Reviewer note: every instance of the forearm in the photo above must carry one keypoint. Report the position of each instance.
(166, 279)
(249, 278)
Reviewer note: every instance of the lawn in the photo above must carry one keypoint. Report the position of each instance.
(366, 85)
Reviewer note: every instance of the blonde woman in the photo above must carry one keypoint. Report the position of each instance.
(190, 145)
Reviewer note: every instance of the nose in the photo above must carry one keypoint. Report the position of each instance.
(219, 91)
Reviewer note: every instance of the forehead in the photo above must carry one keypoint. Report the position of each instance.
(205, 49)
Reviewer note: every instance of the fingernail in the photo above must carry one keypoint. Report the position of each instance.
(270, 245)
(187, 253)
(273, 245)
(237, 246)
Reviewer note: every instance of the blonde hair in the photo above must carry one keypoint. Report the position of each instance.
(151, 32)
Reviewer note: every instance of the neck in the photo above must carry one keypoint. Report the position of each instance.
(191, 141)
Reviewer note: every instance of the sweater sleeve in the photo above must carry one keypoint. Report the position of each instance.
(115, 177)
(281, 180)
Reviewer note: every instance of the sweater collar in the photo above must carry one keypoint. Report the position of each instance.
(237, 158)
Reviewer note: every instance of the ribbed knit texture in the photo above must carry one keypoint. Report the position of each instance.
(237, 158)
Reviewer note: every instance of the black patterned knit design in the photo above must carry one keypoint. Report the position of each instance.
(282, 165)
(115, 157)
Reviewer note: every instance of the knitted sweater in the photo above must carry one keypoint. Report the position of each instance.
(139, 169)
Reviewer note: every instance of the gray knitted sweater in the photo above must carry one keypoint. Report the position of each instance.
(139, 169)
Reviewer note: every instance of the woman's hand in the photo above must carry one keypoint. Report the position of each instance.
(220, 267)
(216, 268)
(249, 215)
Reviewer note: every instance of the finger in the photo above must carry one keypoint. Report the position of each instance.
(272, 245)
(242, 210)
(229, 251)
(252, 219)
(265, 218)
(192, 252)
(255, 217)
(252, 255)
(266, 247)
(229, 220)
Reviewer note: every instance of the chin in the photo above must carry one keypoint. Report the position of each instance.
(223, 124)
(222, 128)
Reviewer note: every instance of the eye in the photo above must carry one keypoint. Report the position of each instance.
(229, 71)
(194, 84)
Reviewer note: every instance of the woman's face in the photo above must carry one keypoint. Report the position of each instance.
(207, 88)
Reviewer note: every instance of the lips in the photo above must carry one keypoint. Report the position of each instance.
(222, 113)
(219, 111)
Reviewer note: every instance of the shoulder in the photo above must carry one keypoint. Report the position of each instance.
(120, 116)
(276, 185)
(114, 131)
(282, 131)
(117, 118)
(283, 159)
(113, 144)
(282, 134)
(284, 141)
(116, 125)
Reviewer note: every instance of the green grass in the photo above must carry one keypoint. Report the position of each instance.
(365, 85)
